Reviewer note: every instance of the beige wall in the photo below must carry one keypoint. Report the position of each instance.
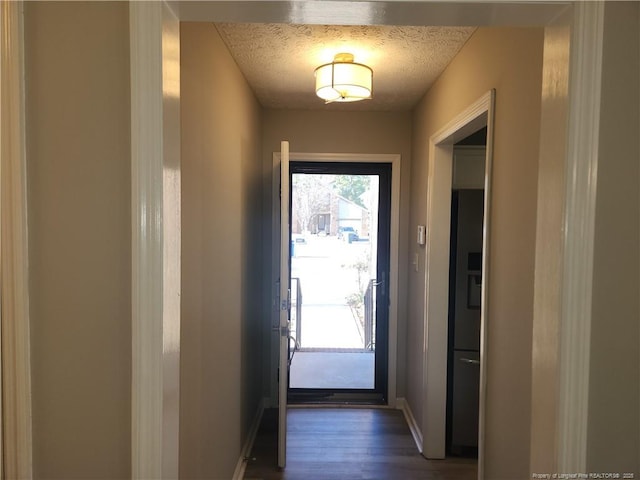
(78, 160)
(613, 429)
(509, 60)
(221, 377)
(334, 131)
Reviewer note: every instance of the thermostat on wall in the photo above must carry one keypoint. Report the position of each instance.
(421, 234)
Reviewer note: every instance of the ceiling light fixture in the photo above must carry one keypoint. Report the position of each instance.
(343, 80)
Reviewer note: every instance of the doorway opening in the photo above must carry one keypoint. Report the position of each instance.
(340, 257)
(440, 347)
(465, 294)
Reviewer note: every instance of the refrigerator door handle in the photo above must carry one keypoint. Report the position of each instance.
(470, 360)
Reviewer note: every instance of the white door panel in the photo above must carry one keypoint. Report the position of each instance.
(285, 304)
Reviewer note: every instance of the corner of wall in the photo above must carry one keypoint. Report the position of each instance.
(414, 427)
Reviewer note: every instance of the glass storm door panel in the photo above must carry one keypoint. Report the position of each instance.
(339, 265)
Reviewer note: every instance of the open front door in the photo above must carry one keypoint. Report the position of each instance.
(285, 303)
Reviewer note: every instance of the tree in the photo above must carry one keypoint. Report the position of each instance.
(311, 195)
(352, 187)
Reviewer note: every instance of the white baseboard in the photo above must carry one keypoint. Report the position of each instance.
(241, 466)
(416, 433)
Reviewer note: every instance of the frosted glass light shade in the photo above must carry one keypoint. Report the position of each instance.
(343, 80)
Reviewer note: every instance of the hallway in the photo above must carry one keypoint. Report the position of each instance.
(347, 444)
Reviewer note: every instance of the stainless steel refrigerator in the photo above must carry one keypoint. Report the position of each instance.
(464, 319)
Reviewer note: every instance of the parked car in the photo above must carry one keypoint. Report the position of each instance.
(349, 234)
(298, 238)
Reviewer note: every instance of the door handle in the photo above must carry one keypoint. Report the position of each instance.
(470, 360)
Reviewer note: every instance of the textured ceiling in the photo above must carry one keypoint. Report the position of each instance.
(278, 60)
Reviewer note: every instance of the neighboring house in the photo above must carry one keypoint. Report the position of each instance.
(79, 175)
(329, 216)
(346, 213)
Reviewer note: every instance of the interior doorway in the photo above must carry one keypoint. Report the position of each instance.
(465, 295)
(340, 258)
(438, 245)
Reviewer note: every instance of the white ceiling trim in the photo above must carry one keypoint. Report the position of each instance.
(522, 13)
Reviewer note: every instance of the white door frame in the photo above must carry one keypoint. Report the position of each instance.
(155, 244)
(436, 301)
(585, 83)
(284, 306)
(394, 259)
(15, 346)
(579, 214)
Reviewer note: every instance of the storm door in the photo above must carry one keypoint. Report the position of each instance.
(340, 234)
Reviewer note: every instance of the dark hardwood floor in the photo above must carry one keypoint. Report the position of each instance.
(348, 444)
